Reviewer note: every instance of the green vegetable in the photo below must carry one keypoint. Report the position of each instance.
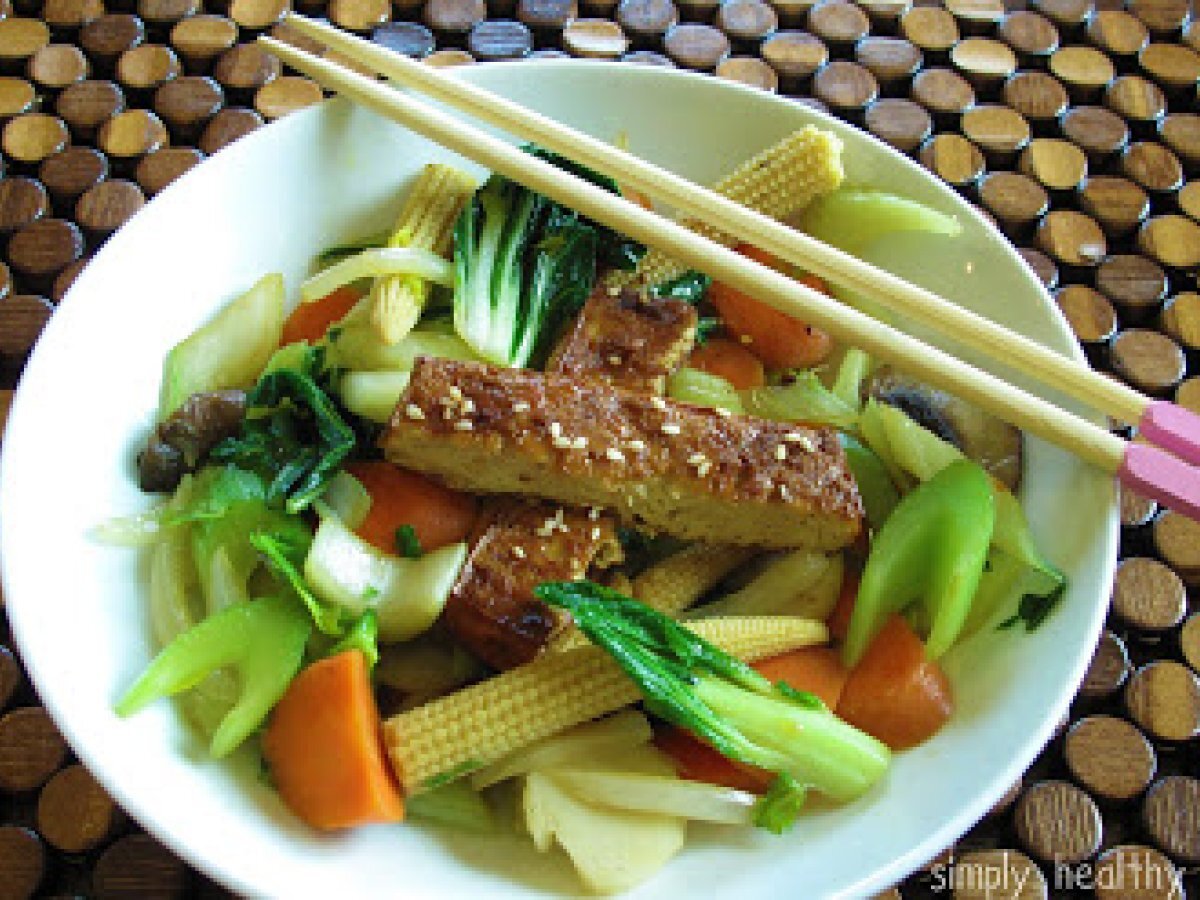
(263, 640)
(523, 263)
(357, 346)
(332, 254)
(879, 494)
(850, 218)
(407, 543)
(853, 371)
(454, 805)
(777, 809)
(693, 684)
(930, 550)
(706, 326)
(362, 635)
(373, 395)
(805, 399)
(690, 287)
(285, 554)
(228, 352)
(703, 389)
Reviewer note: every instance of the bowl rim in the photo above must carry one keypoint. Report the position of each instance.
(951, 829)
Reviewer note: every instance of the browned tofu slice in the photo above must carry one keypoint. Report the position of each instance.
(627, 340)
(492, 610)
(682, 469)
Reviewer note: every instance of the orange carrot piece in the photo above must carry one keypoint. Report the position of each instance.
(894, 693)
(310, 321)
(437, 514)
(325, 750)
(780, 341)
(697, 761)
(731, 361)
(818, 670)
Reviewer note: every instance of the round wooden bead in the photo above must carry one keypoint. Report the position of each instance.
(637, 57)
(890, 60)
(227, 126)
(138, 866)
(364, 15)
(792, 13)
(1117, 33)
(1181, 133)
(594, 39)
(22, 202)
(838, 23)
(646, 21)
(1171, 814)
(976, 873)
(109, 205)
(31, 749)
(1072, 238)
(1109, 757)
(32, 137)
(11, 676)
(56, 66)
(1163, 697)
(201, 39)
(1109, 668)
(88, 105)
(451, 57)
(1131, 872)
(746, 22)
(1148, 595)
(64, 279)
(694, 46)
(1187, 395)
(1016, 200)
(132, 134)
(410, 38)
(257, 15)
(794, 55)
(1041, 265)
(68, 174)
(16, 96)
(931, 28)
(976, 16)
(1189, 641)
(1181, 320)
(547, 16)
(1152, 166)
(1137, 285)
(999, 131)
(1090, 315)
(1039, 97)
(1136, 100)
(1148, 360)
(1117, 204)
(1163, 17)
(1171, 65)
(1172, 240)
(22, 862)
(286, 94)
(1084, 70)
(943, 92)
(749, 70)
(158, 169)
(901, 123)
(245, 68)
(1188, 200)
(74, 813)
(954, 159)
(106, 37)
(20, 38)
(884, 14)
(1191, 34)
(147, 67)
(1175, 539)
(1098, 131)
(845, 87)
(66, 16)
(1029, 33)
(983, 61)
(160, 15)
(1057, 822)
(453, 17)
(187, 103)
(1066, 14)
(43, 248)
(1057, 164)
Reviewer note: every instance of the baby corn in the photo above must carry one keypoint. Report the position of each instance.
(449, 737)
(427, 222)
(779, 182)
(677, 582)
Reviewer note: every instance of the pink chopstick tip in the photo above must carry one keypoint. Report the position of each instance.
(1158, 475)
(1173, 428)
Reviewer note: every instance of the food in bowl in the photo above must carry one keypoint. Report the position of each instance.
(612, 434)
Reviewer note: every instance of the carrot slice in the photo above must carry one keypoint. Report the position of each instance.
(780, 341)
(310, 321)
(325, 751)
(697, 761)
(731, 361)
(894, 693)
(818, 670)
(437, 514)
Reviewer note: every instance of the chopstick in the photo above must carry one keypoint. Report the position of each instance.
(1150, 470)
(1160, 422)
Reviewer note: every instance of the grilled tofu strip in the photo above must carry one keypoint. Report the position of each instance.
(621, 339)
(688, 471)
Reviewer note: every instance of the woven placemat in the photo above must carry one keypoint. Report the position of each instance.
(1074, 124)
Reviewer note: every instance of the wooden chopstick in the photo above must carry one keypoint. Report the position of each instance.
(1099, 392)
(1032, 414)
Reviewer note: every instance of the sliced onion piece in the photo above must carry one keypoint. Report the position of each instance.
(658, 794)
(378, 263)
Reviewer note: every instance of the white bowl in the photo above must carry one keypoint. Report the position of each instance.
(269, 203)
